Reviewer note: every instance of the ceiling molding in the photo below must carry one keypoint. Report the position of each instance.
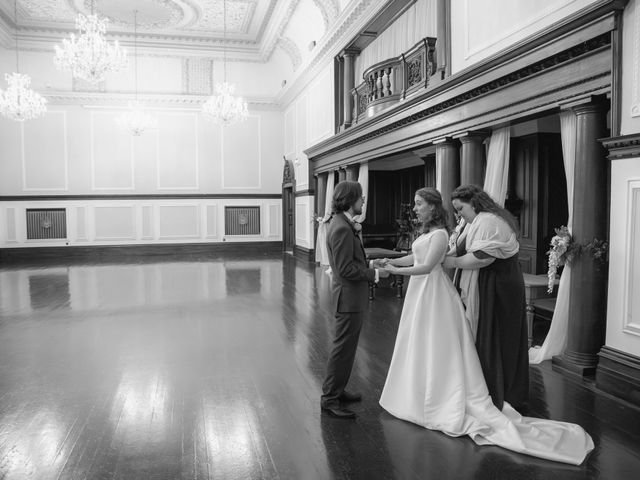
(157, 101)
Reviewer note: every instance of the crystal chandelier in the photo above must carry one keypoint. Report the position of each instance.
(89, 57)
(223, 107)
(18, 102)
(136, 120)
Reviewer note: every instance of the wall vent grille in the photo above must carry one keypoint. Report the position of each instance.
(46, 223)
(242, 220)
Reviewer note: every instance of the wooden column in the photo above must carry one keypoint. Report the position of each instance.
(587, 300)
(352, 172)
(347, 85)
(342, 174)
(447, 168)
(472, 158)
(429, 170)
(321, 193)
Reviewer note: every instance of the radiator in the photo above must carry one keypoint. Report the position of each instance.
(46, 223)
(242, 220)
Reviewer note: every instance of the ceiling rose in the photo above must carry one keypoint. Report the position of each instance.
(152, 14)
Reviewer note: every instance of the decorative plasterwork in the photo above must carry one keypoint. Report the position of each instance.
(291, 49)
(329, 10)
(211, 17)
(279, 31)
(160, 14)
(160, 101)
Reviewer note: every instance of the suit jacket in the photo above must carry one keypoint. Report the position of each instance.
(350, 272)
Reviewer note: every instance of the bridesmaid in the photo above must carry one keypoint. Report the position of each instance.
(494, 296)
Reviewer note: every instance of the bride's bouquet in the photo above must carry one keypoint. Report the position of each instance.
(561, 252)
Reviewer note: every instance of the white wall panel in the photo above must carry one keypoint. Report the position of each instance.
(320, 112)
(44, 152)
(111, 153)
(114, 223)
(81, 223)
(241, 157)
(623, 303)
(11, 224)
(290, 131)
(211, 228)
(177, 151)
(275, 221)
(147, 222)
(477, 32)
(178, 221)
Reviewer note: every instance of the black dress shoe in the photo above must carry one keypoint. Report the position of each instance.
(349, 397)
(339, 412)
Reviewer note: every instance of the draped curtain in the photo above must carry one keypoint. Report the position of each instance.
(417, 22)
(363, 180)
(497, 176)
(556, 340)
(322, 256)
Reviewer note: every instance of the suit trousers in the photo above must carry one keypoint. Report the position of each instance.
(343, 353)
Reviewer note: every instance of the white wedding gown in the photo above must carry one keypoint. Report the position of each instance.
(435, 379)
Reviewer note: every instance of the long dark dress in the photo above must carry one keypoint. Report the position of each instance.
(501, 339)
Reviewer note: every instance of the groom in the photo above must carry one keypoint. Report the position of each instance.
(350, 281)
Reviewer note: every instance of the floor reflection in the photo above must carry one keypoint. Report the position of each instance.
(212, 368)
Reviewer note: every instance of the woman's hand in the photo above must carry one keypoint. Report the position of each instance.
(449, 262)
(391, 269)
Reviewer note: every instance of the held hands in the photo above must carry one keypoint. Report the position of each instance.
(380, 262)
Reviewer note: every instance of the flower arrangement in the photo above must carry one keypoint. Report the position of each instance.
(406, 226)
(564, 249)
(561, 252)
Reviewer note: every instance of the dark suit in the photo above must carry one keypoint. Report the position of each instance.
(350, 280)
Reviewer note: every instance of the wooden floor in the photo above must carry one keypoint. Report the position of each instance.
(211, 367)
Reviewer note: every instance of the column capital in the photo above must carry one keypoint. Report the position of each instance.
(472, 136)
(590, 101)
(350, 52)
(441, 140)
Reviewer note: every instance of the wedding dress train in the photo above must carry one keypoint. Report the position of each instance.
(435, 379)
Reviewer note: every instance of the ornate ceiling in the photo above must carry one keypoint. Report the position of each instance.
(253, 27)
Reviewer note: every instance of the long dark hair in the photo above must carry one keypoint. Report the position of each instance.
(345, 195)
(482, 202)
(439, 215)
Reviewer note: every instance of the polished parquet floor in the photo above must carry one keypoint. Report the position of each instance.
(210, 367)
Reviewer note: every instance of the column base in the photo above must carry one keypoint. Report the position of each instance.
(568, 364)
(344, 126)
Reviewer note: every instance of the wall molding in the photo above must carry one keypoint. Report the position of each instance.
(625, 146)
(131, 253)
(618, 373)
(153, 196)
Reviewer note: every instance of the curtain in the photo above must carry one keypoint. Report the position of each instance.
(556, 340)
(417, 22)
(322, 256)
(497, 176)
(363, 180)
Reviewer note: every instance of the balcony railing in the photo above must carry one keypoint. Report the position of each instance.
(390, 81)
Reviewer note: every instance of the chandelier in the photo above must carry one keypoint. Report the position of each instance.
(136, 120)
(89, 57)
(18, 102)
(224, 108)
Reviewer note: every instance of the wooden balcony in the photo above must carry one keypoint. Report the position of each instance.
(388, 82)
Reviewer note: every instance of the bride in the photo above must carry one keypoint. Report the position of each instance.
(435, 379)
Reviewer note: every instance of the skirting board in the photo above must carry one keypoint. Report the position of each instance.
(302, 253)
(618, 373)
(119, 252)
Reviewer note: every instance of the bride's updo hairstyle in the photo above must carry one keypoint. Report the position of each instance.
(482, 202)
(439, 215)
